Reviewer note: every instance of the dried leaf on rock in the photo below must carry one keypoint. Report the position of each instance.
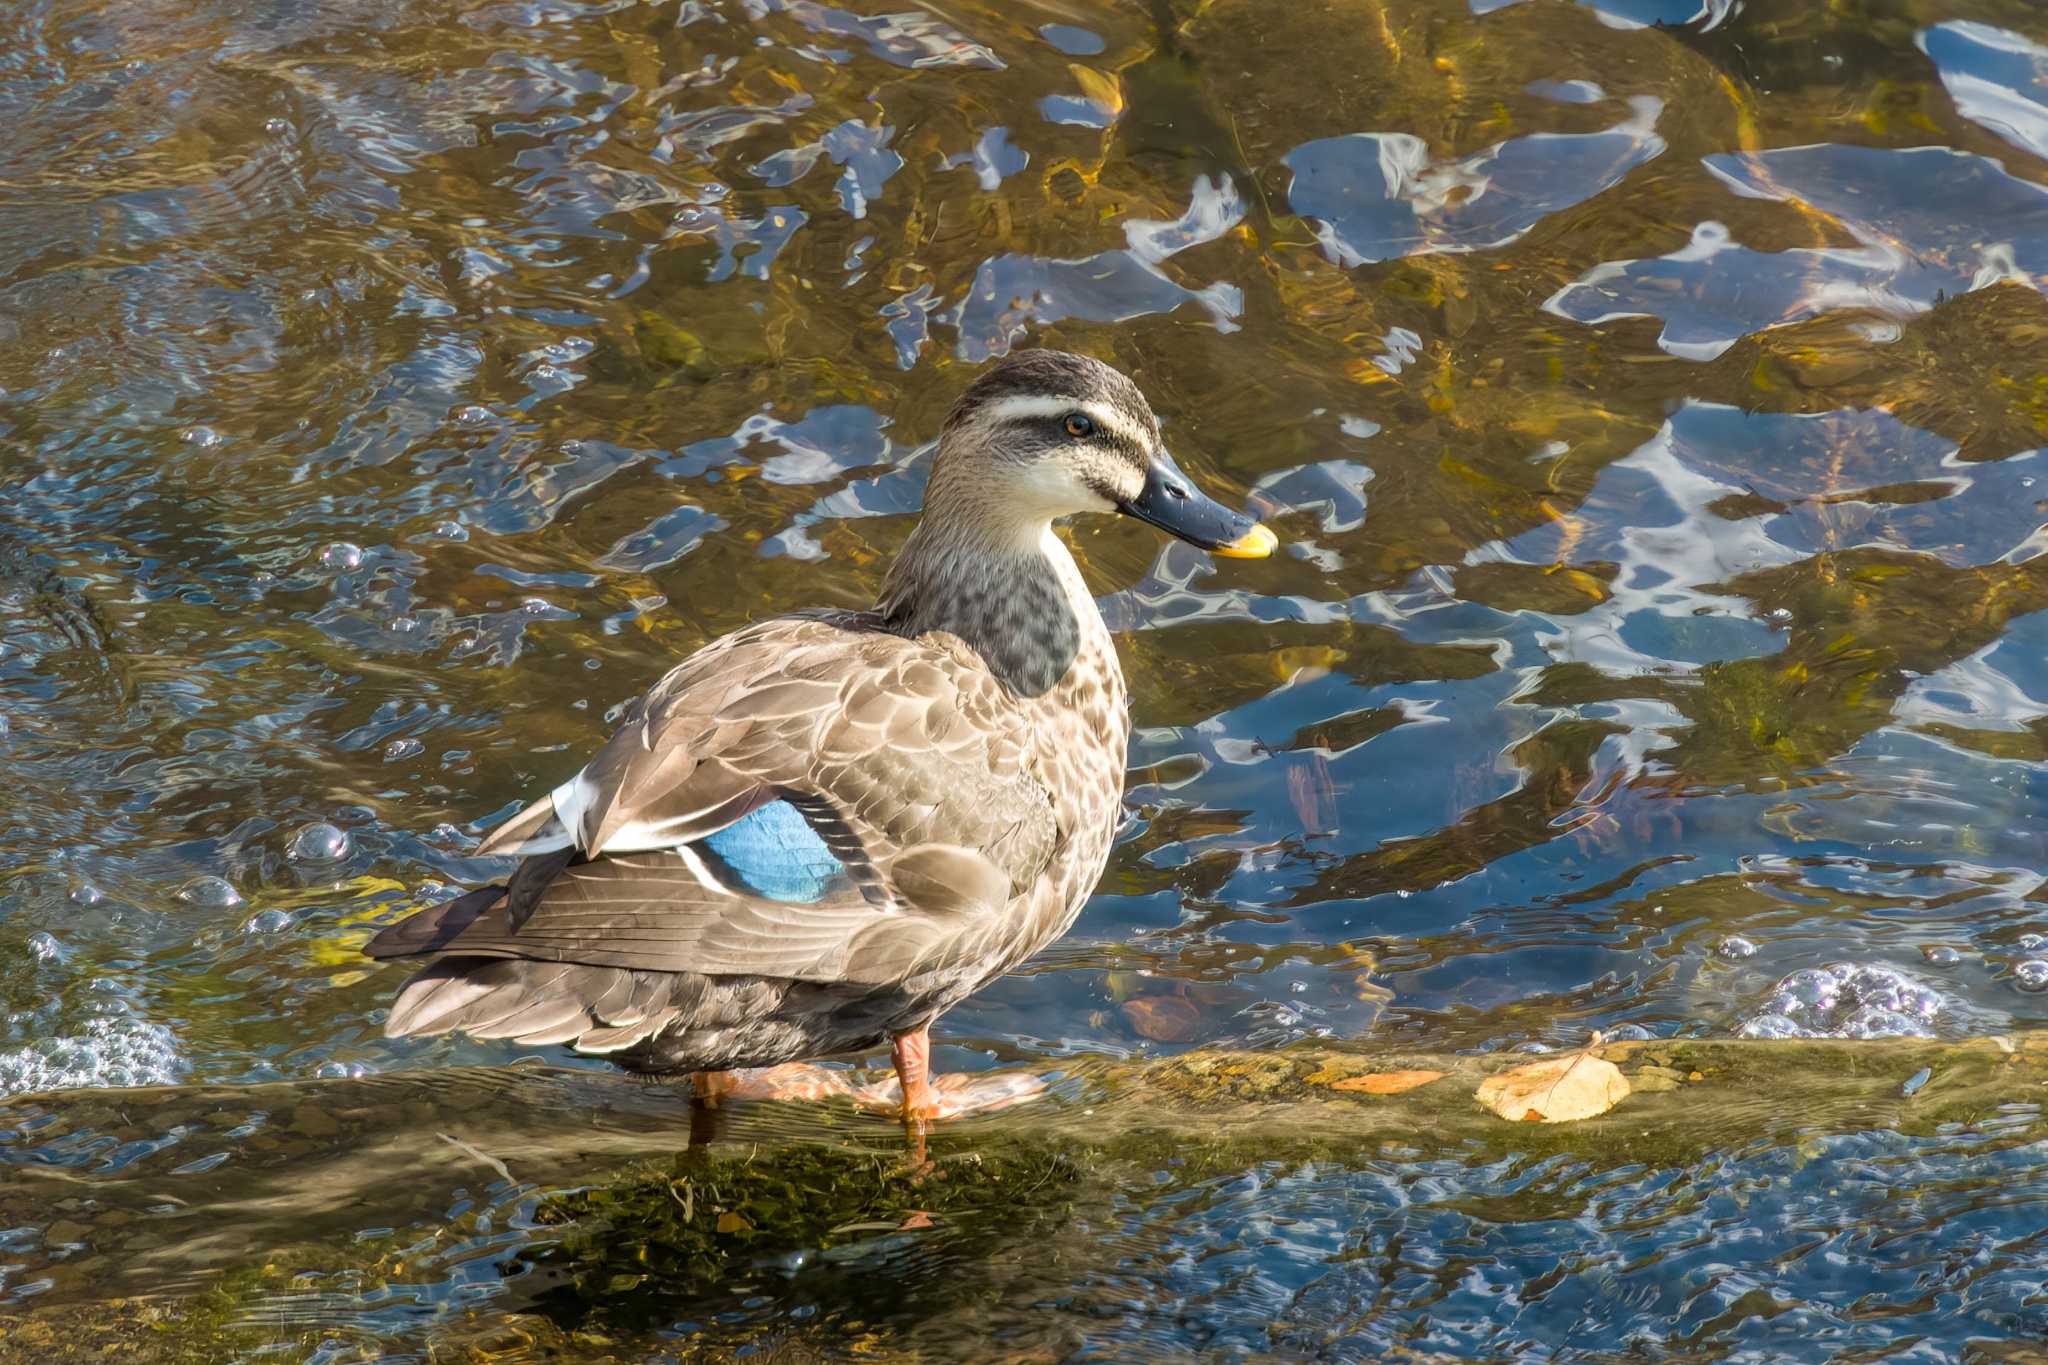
(1555, 1089)
(1387, 1082)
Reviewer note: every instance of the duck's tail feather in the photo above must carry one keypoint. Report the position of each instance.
(592, 1009)
(431, 930)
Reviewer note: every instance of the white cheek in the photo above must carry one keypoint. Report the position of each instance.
(1048, 489)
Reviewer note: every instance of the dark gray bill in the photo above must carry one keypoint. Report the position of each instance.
(1170, 501)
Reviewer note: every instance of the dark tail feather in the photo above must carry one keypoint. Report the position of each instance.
(524, 890)
(431, 930)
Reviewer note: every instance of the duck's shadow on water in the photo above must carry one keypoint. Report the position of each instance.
(720, 1242)
(785, 1216)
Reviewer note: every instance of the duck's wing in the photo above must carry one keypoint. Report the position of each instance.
(805, 799)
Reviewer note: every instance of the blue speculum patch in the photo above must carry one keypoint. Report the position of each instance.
(774, 852)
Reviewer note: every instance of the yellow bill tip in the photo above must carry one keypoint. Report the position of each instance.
(1256, 543)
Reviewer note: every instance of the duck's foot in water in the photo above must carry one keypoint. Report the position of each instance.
(790, 1081)
(948, 1097)
(945, 1097)
(916, 1095)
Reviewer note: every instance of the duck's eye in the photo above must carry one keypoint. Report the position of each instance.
(1080, 424)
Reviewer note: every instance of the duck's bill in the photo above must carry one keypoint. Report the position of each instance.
(1171, 502)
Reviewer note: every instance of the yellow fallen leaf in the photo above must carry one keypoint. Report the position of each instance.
(732, 1222)
(1106, 91)
(1387, 1082)
(352, 929)
(1556, 1089)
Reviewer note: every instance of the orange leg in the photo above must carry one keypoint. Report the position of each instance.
(712, 1086)
(912, 1054)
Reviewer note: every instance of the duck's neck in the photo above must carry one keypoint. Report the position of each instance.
(1012, 592)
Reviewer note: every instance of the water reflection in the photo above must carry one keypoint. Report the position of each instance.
(1378, 196)
(1996, 77)
(1713, 292)
(1011, 294)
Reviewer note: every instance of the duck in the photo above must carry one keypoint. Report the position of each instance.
(817, 834)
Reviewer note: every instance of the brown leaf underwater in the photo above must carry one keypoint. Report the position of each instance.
(1387, 1082)
(1163, 1018)
(1562, 1089)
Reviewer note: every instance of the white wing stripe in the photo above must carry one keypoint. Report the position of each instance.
(700, 871)
(572, 801)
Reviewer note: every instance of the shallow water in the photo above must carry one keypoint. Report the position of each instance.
(1650, 394)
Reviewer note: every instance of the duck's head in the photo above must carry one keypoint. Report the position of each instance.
(1045, 434)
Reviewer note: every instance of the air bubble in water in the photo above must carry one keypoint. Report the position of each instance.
(1873, 1022)
(318, 842)
(1735, 947)
(269, 922)
(342, 556)
(402, 748)
(113, 1051)
(206, 438)
(2031, 975)
(1847, 1000)
(44, 948)
(1940, 955)
(86, 894)
(212, 892)
(1813, 987)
